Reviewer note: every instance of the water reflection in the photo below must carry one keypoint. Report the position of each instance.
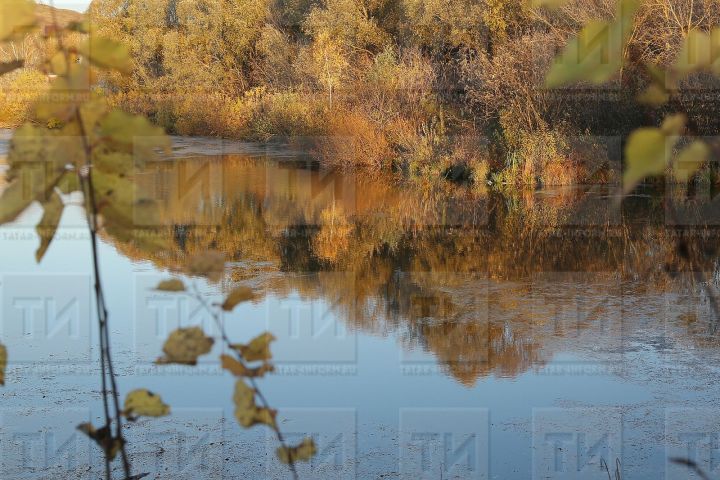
(488, 284)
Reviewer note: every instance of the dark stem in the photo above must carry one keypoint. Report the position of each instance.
(103, 369)
(106, 364)
(100, 299)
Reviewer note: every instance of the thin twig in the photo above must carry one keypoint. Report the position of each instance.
(91, 211)
(223, 334)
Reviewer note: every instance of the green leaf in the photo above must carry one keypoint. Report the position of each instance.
(46, 229)
(210, 264)
(38, 160)
(91, 112)
(3, 363)
(31, 184)
(597, 52)
(58, 64)
(13, 202)
(674, 124)
(237, 296)
(144, 403)
(123, 204)
(69, 184)
(7, 67)
(15, 16)
(246, 412)
(240, 370)
(258, 349)
(103, 437)
(67, 93)
(302, 452)
(107, 53)
(589, 57)
(185, 345)
(646, 153)
(690, 159)
(654, 95)
(695, 54)
(133, 134)
(171, 285)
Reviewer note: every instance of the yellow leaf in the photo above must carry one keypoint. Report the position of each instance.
(171, 285)
(246, 412)
(46, 229)
(646, 154)
(240, 370)
(15, 15)
(237, 296)
(107, 53)
(258, 349)
(690, 159)
(302, 452)
(144, 403)
(185, 345)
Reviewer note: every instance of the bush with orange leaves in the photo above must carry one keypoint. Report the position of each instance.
(353, 140)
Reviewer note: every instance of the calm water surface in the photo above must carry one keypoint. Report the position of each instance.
(449, 334)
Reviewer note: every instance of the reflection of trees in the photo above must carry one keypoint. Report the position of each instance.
(445, 272)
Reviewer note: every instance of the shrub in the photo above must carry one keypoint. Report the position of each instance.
(353, 140)
(18, 91)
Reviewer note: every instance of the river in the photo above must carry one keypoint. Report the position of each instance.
(421, 333)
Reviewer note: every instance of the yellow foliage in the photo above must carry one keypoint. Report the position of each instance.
(334, 236)
(18, 91)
